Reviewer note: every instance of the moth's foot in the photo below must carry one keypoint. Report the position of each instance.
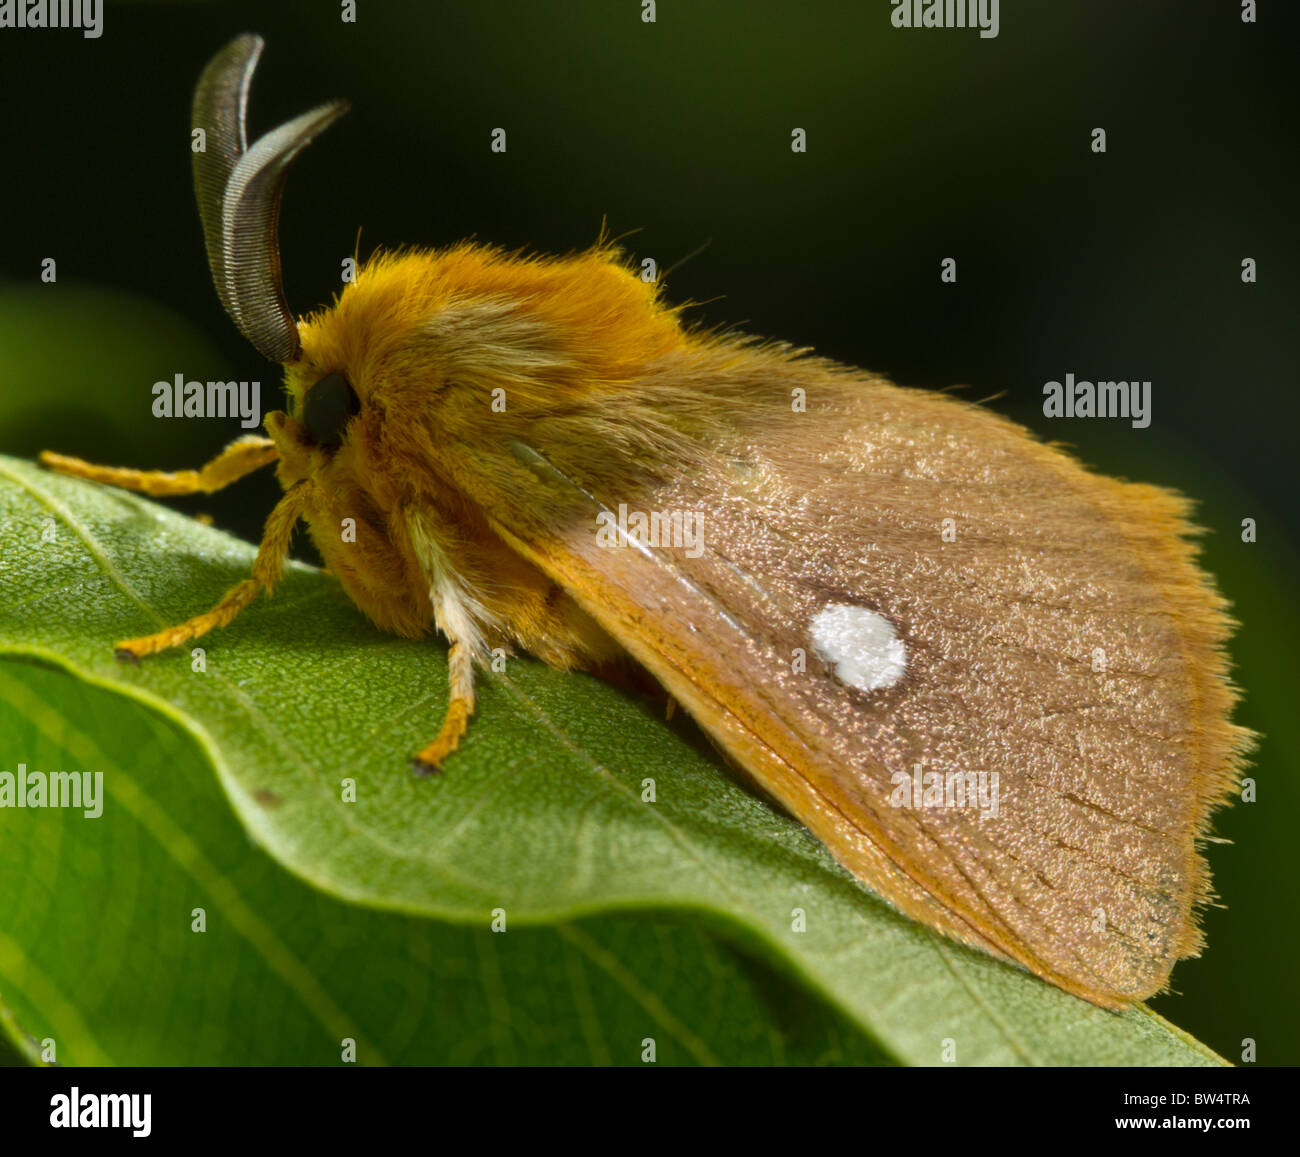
(430, 760)
(133, 650)
(423, 768)
(234, 600)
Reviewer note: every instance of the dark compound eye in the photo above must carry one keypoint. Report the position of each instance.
(328, 407)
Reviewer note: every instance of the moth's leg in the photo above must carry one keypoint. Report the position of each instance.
(242, 456)
(267, 568)
(460, 669)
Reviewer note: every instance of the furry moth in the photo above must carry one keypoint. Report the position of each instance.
(539, 455)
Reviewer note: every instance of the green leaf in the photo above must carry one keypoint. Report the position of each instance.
(539, 814)
(97, 951)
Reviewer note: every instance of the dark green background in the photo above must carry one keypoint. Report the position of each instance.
(921, 145)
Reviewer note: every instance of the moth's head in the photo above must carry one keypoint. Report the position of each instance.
(420, 345)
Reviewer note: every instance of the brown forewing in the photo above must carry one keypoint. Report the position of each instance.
(1064, 639)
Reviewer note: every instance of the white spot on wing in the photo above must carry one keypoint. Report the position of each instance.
(860, 646)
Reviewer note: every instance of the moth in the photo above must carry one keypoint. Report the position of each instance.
(891, 599)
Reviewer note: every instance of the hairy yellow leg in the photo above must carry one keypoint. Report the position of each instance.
(267, 568)
(242, 456)
(460, 667)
